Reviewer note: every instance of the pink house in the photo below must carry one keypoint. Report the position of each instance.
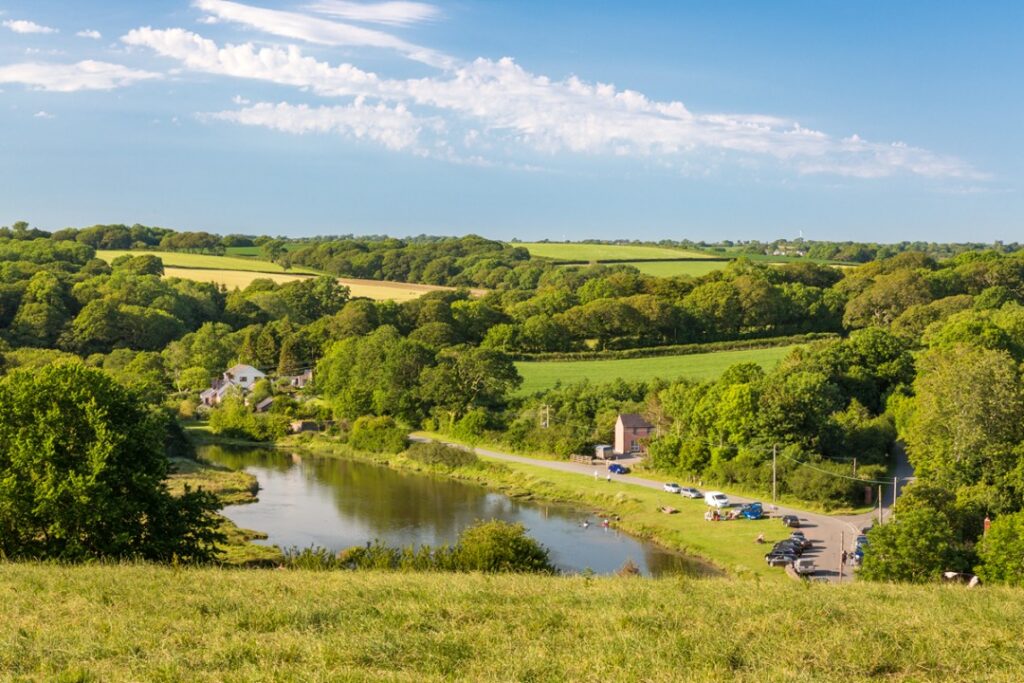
(631, 432)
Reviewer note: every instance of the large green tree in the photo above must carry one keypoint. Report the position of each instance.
(82, 469)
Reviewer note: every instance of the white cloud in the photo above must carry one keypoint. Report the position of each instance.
(89, 33)
(239, 100)
(43, 115)
(394, 13)
(512, 107)
(393, 127)
(23, 26)
(316, 30)
(85, 75)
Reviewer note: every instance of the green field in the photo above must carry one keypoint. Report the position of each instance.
(148, 623)
(673, 268)
(597, 252)
(255, 251)
(185, 260)
(541, 375)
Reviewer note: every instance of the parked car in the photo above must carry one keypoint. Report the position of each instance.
(616, 468)
(792, 521)
(780, 559)
(790, 547)
(801, 540)
(752, 511)
(716, 499)
(690, 492)
(671, 488)
(862, 540)
(804, 566)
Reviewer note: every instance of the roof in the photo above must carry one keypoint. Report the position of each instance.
(265, 403)
(243, 369)
(634, 421)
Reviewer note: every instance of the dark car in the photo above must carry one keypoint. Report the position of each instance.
(775, 559)
(616, 468)
(787, 547)
(792, 521)
(798, 538)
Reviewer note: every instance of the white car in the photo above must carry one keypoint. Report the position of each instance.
(671, 488)
(716, 499)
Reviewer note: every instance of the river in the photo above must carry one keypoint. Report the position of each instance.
(338, 503)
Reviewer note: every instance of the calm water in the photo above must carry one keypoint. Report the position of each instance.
(336, 503)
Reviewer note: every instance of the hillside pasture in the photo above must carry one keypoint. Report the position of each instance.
(176, 259)
(149, 623)
(674, 268)
(571, 251)
(542, 375)
(230, 278)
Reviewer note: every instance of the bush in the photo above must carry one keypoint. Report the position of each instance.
(377, 435)
(434, 453)
(234, 419)
(498, 546)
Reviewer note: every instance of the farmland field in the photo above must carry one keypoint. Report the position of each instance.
(230, 278)
(673, 268)
(252, 252)
(541, 375)
(184, 260)
(599, 252)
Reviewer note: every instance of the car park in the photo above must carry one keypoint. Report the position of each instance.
(690, 492)
(616, 468)
(671, 488)
(792, 521)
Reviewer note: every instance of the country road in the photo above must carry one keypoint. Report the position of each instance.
(829, 533)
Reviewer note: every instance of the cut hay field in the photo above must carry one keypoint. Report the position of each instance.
(569, 251)
(541, 375)
(240, 272)
(184, 260)
(149, 623)
(230, 278)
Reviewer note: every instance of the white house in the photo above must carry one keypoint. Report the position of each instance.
(241, 377)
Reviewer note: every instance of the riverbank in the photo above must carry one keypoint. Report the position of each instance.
(232, 487)
(729, 546)
(144, 622)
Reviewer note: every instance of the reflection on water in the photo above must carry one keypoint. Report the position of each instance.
(337, 503)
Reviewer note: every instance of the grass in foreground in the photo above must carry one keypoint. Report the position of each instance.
(120, 623)
(574, 251)
(542, 375)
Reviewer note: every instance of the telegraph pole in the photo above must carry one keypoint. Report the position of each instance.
(774, 481)
(895, 483)
(842, 549)
(546, 419)
(855, 466)
(879, 503)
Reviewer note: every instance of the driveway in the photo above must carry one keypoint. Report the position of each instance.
(829, 533)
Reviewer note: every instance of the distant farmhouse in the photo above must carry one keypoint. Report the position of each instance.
(631, 434)
(241, 377)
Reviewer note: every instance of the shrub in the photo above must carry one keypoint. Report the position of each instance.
(377, 435)
(497, 546)
(434, 453)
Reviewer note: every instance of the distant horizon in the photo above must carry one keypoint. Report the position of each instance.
(875, 121)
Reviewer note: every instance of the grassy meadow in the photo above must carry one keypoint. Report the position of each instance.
(230, 278)
(142, 622)
(674, 268)
(572, 251)
(541, 375)
(185, 260)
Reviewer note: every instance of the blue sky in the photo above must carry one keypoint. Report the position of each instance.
(716, 120)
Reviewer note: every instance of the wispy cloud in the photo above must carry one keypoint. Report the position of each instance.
(25, 26)
(84, 75)
(393, 127)
(89, 33)
(41, 114)
(391, 13)
(514, 107)
(316, 30)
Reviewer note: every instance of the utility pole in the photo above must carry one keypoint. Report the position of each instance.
(895, 483)
(546, 419)
(879, 503)
(775, 449)
(855, 466)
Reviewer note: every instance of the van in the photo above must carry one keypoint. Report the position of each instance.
(716, 499)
